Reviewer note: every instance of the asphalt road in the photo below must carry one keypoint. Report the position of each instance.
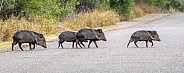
(112, 56)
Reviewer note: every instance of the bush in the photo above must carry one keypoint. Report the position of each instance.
(149, 8)
(123, 7)
(91, 19)
(12, 25)
(137, 12)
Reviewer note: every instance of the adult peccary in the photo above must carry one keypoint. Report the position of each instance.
(67, 36)
(144, 35)
(31, 37)
(90, 34)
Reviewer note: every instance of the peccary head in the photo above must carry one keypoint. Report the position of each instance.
(100, 34)
(154, 35)
(41, 40)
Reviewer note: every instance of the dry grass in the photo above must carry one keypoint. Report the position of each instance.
(137, 12)
(91, 20)
(39, 24)
(148, 8)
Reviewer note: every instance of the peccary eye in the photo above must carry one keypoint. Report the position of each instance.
(100, 30)
(41, 36)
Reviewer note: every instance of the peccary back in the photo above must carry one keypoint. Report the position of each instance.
(31, 37)
(67, 36)
(144, 35)
(90, 34)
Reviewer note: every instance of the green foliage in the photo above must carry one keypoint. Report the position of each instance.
(165, 4)
(99, 4)
(177, 4)
(87, 5)
(7, 4)
(123, 7)
(47, 8)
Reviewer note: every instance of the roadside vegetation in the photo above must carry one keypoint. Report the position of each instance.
(90, 19)
(44, 16)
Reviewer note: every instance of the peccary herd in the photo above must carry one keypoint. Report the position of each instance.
(83, 35)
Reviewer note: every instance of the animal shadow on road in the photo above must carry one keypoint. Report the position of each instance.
(93, 47)
(143, 47)
(37, 49)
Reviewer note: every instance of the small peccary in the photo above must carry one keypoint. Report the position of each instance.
(67, 36)
(31, 37)
(143, 35)
(91, 35)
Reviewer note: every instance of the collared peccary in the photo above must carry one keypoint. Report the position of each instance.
(144, 35)
(90, 34)
(67, 36)
(31, 37)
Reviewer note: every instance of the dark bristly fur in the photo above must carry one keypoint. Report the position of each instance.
(31, 37)
(90, 34)
(67, 36)
(144, 35)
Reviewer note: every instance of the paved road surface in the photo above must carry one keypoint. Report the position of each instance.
(112, 56)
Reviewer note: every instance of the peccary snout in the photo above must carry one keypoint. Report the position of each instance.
(67, 36)
(144, 35)
(154, 35)
(92, 35)
(31, 37)
(100, 35)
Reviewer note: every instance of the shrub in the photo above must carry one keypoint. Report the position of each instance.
(123, 7)
(149, 8)
(91, 19)
(39, 24)
(137, 12)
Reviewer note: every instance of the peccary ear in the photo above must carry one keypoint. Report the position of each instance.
(153, 32)
(100, 30)
(41, 36)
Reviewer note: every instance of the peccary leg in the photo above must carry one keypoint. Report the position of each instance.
(73, 44)
(59, 44)
(77, 41)
(89, 43)
(20, 46)
(146, 43)
(135, 42)
(14, 43)
(95, 44)
(151, 42)
(34, 46)
(82, 44)
(78, 44)
(30, 46)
